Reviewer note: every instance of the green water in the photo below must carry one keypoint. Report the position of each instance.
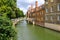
(30, 32)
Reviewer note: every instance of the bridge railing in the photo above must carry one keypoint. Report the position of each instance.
(30, 19)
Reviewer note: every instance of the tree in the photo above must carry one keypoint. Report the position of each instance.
(7, 32)
(7, 12)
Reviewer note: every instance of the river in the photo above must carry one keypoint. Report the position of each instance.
(27, 31)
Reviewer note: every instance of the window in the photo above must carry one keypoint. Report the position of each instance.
(46, 18)
(51, 9)
(42, 12)
(46, 10)
(42, 19)
(51, 18)
(58, 7)
(58, 18)
(52, 0)
(46, 2)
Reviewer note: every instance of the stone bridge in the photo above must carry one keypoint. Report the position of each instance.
(32, 20)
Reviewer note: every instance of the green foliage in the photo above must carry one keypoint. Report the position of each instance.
(7, 32)
(10, 3)
(19, 13)
(8, 9)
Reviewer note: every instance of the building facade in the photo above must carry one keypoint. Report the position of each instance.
(37, 14)
(52, 9)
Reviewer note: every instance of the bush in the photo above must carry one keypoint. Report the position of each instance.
(7, 32)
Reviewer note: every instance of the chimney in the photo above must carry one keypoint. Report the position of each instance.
(36, 3)
(31, 7)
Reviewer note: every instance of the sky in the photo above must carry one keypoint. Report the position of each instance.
(25, 4)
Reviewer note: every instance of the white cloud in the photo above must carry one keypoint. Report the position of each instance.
(30, 1)
(24, 10)
(24, 4)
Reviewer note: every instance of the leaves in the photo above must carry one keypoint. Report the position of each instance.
(6, 29)
(7, 32)
(8, 9)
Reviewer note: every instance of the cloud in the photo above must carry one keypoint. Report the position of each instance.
(24, 4)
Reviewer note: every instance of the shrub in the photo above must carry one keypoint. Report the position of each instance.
(7, 32)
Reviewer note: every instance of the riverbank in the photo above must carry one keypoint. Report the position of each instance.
(52, 26)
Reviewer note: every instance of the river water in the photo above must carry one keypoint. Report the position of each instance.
(27, 31)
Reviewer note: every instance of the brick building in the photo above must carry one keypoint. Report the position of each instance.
(47, 15)
(52, 8)
(37, 13)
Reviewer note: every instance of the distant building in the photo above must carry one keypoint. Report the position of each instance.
(37, 13)
(52, 8)
(47, 15)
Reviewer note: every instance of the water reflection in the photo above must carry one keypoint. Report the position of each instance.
(30, 32)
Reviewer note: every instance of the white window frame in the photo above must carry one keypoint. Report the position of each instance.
(51, 9)
(58, 18)
(46, 18)
(51, 18)
(46, 10)
(58, 7)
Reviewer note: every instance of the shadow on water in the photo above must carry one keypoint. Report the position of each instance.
(32, 32)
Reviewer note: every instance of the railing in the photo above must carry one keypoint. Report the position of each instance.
(31, 19)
